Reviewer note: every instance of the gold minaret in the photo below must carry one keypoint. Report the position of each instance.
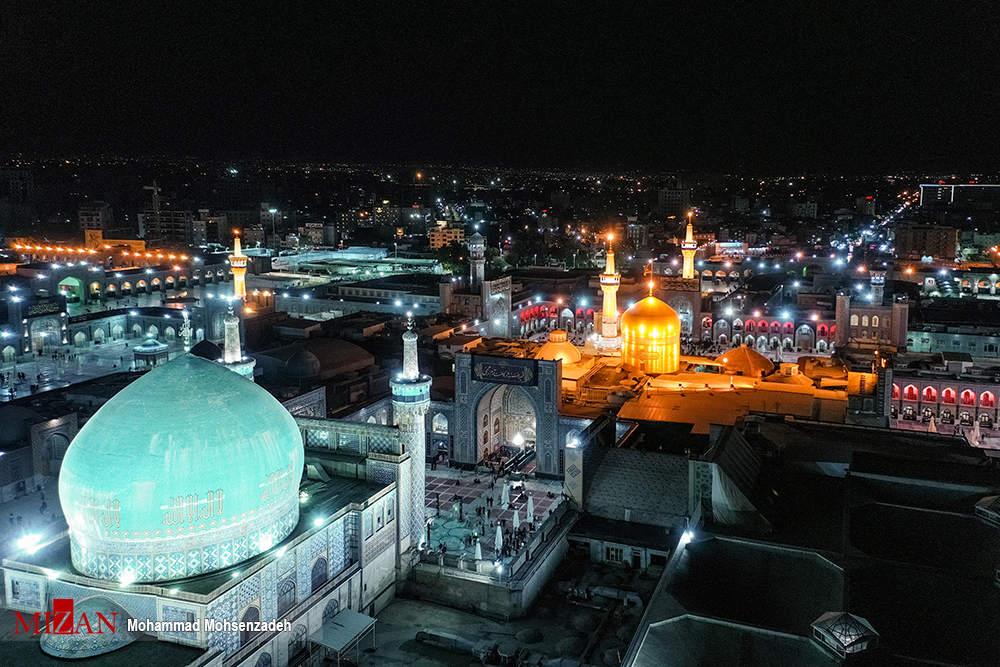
(688, 248)
(610, 280)
(238, 263)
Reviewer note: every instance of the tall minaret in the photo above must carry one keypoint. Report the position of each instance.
(688, 248)
(610, 280)
(233, 357)
(878, 286)
(410, 400)
(238, 263)
(477, 259)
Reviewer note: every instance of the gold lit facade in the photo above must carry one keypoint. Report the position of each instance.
(651, 338)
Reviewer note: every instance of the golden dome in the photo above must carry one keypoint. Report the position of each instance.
(651, 314)
(559, 348)
(651, 337)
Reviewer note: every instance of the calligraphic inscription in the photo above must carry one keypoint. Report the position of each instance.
(43, 308)
(105, 512)
(505, 371)
(276, 484)
(500, 286)
(191, 508)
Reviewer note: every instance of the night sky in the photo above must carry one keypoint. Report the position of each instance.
(811, 86)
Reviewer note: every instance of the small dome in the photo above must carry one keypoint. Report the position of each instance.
(190, 458)
(303, 365)
(559, 347)
(84, 645)
(745, 361)
(206, 349)
(150, 345)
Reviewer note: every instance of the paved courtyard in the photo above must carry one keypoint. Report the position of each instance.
(444, 496)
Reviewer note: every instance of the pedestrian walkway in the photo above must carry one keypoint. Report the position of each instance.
(37, 512)
(70, 365)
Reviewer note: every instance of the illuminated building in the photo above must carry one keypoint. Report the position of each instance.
(688, 248)
(167, 484)
(610, 281)
(238, 262)
(651, 332)
(410, 401)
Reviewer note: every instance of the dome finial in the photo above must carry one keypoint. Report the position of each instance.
(648, 274)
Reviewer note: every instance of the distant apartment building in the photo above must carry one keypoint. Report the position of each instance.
(208, 228)
(673, 201)
(166, 226)
(253, 236)
(916, 240)
(442, 236)
(311, 233)
(803, 210)
(95, 215)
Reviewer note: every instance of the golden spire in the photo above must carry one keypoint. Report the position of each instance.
(648, 274)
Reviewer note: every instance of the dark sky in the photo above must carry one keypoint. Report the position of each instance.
(819, 86)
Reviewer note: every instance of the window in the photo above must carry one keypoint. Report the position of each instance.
(854, 320)
(968, 398)
(874, 320)
(613, 554)
(251, 615)
(895, 391)
(286, 596)
(987, 399)
(930, 394)
(297, 642)
(864, 320)
(948, 396)
(318, 574)
(910, 393)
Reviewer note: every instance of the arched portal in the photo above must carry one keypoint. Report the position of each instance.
(507, 422)
(80, 339)
(44, 334)
(684, 310)
(72, 289)
(126, 289)
(9, 355)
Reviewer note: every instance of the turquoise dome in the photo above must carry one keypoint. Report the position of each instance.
(191, 468)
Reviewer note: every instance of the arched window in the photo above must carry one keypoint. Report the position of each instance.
(286, 596)
(297, 642)
(822, 330)
(737, 324)
(486, 421)
(930, 394)
(496, 425)
(854, 320)
(948, 396)
(706, 323)
(874, 320)
(331, 609)
(440, 423)
(864, 320)
(251, 615)
(318, 574)
(910, 393)
(750, 326)
(895, 391)
(968, 397)
(987, 400)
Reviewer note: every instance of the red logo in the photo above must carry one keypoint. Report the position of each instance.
(62, 621)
